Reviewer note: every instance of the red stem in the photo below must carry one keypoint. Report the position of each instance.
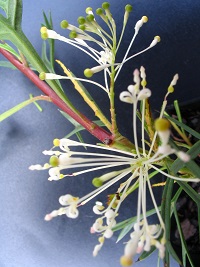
(94, 129)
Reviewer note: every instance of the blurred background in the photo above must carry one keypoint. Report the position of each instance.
(25, 196)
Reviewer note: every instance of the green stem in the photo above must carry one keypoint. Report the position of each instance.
(114, 128)
(112, 85)
(52, 59)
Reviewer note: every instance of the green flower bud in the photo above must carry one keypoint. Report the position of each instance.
(64, 24)
(82, 27)
(54, 161)
(99, 11)
(88, 9)
(105, 5)
(42, 76)
(73, 34)
(56, 142)
(162, 125)
(90, 17)
(88, 73)
(81, 20)
(44, 35)
(97, 182)
(170, 89)
(128, 8)
(43, 29)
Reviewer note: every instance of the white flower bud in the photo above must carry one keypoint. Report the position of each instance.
(136, 77)
(97, 249)
(174, 81)
(126, 97)
(183, 156)
(37, 167)
(66, 199)
(110, 214)
(144, 94)
(142, 73)
(72, 212)
(165, 149)
(108, 233)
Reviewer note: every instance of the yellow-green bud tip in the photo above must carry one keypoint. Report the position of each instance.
(44, 35)
(56, 142)
(42, 76)
(64, 24)
(43, 29)
(170, 89)
(88, 73)
(162, 125)
(90, 17)
(88, 10)
(61, 176)
(145, 19)
(81, 20)
(73, 34)
(97, 182)
(105, 5)
(101, 239)
(126, 261)
(54, 161)
(99, 11)
(82, 27)
(158, 38)
(128, 8)
(143, 83)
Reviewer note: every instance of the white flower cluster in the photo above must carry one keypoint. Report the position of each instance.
(134, 170)
(81, 37)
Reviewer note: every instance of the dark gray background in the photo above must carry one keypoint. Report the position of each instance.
(25, 196)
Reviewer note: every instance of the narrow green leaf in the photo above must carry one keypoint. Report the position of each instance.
(48, 22)
(190, 191)
(194, 151)
(45, 57)
(172, 252)
(35, 103)
(15, 13)
(10, 49)
(166, 215)
(183, 242)
(178, 113)
(146, 254)
(13, 10)
(185, 127)
(7, 64)
(18, 107)
(49, 25)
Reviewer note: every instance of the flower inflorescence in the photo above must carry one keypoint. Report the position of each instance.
(90, 31)
(128, 169)
(134, 171)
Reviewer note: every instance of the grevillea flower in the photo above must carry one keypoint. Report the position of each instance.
(99, 44)
(134, 170)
